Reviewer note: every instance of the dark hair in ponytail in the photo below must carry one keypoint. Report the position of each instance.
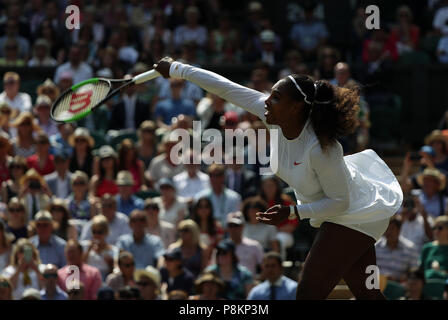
(333, 110)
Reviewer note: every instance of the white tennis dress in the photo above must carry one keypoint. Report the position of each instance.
(358, 191)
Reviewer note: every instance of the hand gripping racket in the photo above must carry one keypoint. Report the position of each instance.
(82, 98)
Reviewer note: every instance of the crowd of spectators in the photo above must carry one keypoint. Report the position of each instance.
(103, 194)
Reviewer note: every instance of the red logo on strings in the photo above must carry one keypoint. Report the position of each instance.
(82, 99)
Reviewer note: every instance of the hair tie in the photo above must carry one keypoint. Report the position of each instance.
(317, 101)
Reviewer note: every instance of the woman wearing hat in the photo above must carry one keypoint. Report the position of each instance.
(434, 256)
(208, 286)
(10, 188)
(104, 181)
(34, 193)
(6, 114)
(439, 142)
(24, 144)
(78, 202)
(6, 239)
(49, 89)
(83, 144)
(432, 183)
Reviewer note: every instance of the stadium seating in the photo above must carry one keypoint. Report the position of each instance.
(434, 288)
(394, 290)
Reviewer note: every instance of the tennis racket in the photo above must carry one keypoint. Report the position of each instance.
(82, 98)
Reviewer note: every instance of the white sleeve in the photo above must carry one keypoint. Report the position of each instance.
(332, 174)
(248, 99)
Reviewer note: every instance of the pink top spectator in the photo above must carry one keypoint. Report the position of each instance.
(89, 276)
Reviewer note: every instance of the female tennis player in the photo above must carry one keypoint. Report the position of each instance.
(350, 199)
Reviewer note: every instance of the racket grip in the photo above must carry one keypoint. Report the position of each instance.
(146, 76)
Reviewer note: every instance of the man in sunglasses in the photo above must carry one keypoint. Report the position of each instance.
(51, 290)
(19, 101)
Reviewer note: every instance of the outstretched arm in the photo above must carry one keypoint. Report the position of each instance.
(248, 99)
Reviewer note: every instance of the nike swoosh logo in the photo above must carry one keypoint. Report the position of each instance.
(297, 163)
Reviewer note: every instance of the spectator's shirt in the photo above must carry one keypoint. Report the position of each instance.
(434, 260)
(260, 232)
(172, 214)
(22, 285)
(23, 152)
(183, 34)
(126, 206)
(50, 128)
(117, 227)
(396, 263)
(88, 275)
(190, 91)
(21, 102)
(146, 253)
(58, 295)
(83, 72)
(79, 211)
(170, 108)
(250, 254)
(434, 206)
(442, 46)
(52, 252)
(166, 231)
(188, 187)
(414, 231)
(33, 162)
(309, 35)
(160, 168)
(228, 201)
(235, 289)
(97, 260)
(285, 289)
(441, 20)
(183, 281)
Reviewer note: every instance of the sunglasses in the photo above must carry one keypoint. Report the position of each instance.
(128, 265)
(184, 230)
(42, 142)
(6, 111)
(50, 275)
(42, 225)
(97, 231)
(142, 219)
(143, 284)
(80, 140)
(215, 175)
(204, 206)
(79, 183)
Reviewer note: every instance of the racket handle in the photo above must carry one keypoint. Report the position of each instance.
(146, 76)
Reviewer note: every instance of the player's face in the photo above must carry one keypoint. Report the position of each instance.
(279, 105)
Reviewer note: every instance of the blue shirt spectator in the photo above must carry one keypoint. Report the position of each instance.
(51, 251)
(146, 252)
(127, 206)
(285, 289)
(170, 108)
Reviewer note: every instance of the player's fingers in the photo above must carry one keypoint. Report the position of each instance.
(268, 215)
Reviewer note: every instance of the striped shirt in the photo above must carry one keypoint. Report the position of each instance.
(395, 263)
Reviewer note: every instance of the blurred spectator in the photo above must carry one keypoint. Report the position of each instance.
(223, 199)
(439, 142)
(162, 165)
(208, 286)
(271, 192)
(105, 293)
(42, 111)
(34, 193)
(238, 178)
(104, 180)
(11, 187)
(432, 183)
(210, 109)
(259, 79)
(98, 252)
(166, 109)
(191, 180)
(440, 22)
(158, 227)
(309, 35)
(267, 48)
(238, 280)
(78, 204)
(24, 143)
(41, 56)
(177, 295)
(417, 226)
(50, 246)
(17, 220)
(174, 275)
(146, 248)
(127, 202)
(60, 140)
(248, 251)
(265, 235)
(148, 281)
(130, 112)
(129, 293)
(157, 30)
(51, 290)
(23, 271)
(65, 80)
(193, 250)
(276, 286)
(342, 76)
(19, 101)
(76, 294)
(293, 60)
(395, 255)
(118, 222)
(172, 207)
(224, 42)
(434, 255)
(78, 68)
(5, 158)
(55, 41)
(211, 231)
(12, 35)
(147, 142)
(124, 276)
(252, 24)
(83, 144)
(90, 19)
(31, 294)
(5, 289)
(188, 91)
(63, 226)
(42, 161)
(191, 30)
(6, 239)
(326, 61)
(49, 89)
(89, 276)
(59, 181)
(128, 160)
(405, 34)
(6, 114)
(11, 58)
(415, 284)
(442, 49)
